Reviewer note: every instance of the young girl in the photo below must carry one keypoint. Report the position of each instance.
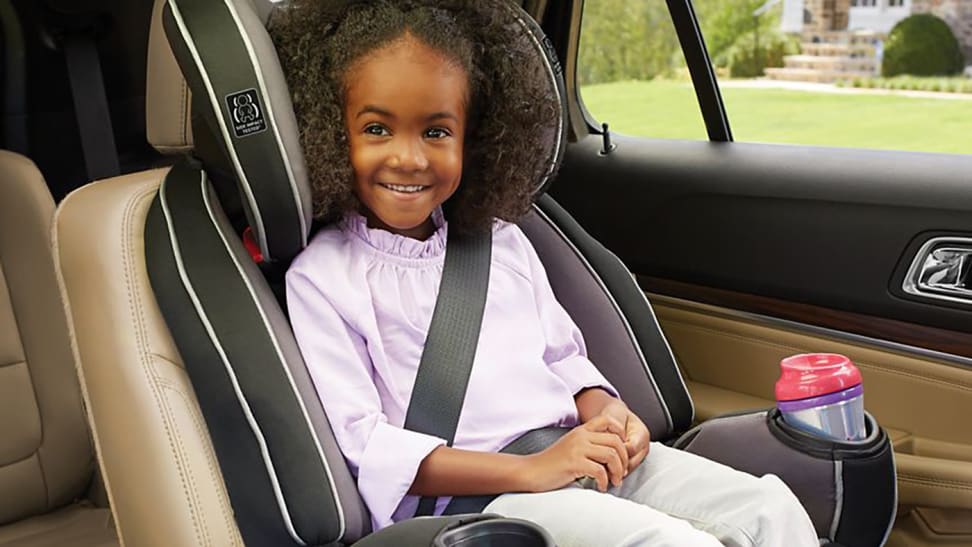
(407, 111)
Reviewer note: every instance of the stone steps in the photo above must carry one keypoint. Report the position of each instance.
(830, 56)
(839, 36)
(831, 62)
(814, 74)
(844, 50)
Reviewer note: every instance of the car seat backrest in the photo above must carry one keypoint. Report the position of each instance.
(622, 333)
(160, 472)
(46, 459)
(165, 483)
(620, 329)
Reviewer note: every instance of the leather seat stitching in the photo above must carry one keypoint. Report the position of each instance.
(167, 360)
(129, 234)
(203, 433)
(958, 485)
(183, 453)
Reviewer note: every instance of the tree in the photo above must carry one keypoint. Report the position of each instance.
(635, 39)
(625, 40)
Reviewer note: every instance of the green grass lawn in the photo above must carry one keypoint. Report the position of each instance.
(669, 109)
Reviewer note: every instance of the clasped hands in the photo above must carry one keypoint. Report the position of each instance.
(605, 447)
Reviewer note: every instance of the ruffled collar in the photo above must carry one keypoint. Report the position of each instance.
(397, 245)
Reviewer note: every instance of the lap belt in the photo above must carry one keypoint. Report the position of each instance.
(530, 442)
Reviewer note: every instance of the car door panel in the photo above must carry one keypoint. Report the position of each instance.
(753, 252)
(806, 224)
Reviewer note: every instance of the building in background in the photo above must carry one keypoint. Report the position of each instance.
(843, 39)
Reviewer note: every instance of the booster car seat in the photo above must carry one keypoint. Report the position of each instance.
(222, 369)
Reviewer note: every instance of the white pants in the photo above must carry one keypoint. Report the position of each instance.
(673, 498)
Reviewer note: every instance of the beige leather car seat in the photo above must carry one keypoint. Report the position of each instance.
(160, 470)
(46, 458)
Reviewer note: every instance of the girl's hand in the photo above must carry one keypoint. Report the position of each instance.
(636, 435)
(593, 449)
(637, 442)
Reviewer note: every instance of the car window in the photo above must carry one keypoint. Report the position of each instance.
(631, 71)
(847, 74)
(865, 73)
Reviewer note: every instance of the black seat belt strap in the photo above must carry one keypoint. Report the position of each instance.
(450, 347)
(91, 107)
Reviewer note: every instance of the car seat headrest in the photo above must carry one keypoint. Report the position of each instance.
(167, 98)
(554, 78)
(232, 70)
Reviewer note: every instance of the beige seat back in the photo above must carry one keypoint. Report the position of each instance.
(46, 459)
(160, 470)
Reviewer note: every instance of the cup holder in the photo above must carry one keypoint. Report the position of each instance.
(501, 532)
(823, 447)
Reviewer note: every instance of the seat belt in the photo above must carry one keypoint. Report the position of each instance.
(450, 346)
(447, 360)
(91, 107)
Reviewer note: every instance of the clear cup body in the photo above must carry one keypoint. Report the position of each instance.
(841, 420)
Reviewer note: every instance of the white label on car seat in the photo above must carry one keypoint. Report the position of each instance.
(246, 113)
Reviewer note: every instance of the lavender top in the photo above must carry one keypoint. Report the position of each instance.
(361, 301)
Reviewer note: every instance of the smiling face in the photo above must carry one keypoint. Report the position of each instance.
(405, 110)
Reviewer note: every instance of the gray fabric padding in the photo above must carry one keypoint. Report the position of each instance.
(254, 20)
(744, 442)
(605, 333)
(357, 520)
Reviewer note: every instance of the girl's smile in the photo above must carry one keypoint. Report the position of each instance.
(405, 110)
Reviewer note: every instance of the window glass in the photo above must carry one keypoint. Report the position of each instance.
(631, 71)
(833, 73)
(812, 72)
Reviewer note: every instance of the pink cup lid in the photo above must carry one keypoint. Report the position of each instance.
(815, 374)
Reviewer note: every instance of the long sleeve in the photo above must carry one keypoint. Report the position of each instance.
(385, 458)
(565, 352)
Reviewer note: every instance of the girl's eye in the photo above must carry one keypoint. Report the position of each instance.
(436, 133)
(376, 129)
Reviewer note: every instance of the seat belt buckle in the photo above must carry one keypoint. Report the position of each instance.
(249, 241)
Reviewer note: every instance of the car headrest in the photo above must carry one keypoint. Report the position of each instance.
(167, 98)
(232, 69)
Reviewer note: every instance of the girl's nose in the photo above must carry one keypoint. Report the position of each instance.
(409, 156)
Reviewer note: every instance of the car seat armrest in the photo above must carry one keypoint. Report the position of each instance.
(848, 488)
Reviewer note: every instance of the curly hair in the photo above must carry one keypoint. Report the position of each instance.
(513, 111)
